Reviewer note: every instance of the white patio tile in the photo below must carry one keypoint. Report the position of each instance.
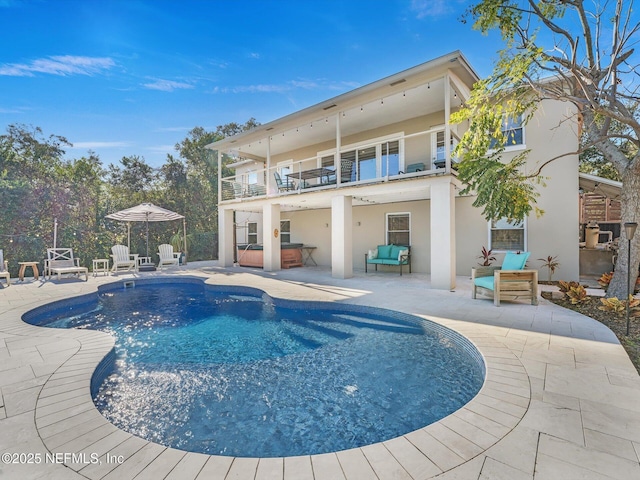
(412, 461)
(241, 469)
(602, 442)
(298, 468)
(217, 468)
(560, 422)
(326, 467)
(596, 461)
(112, 459)
(137, 462)
(355, 465)
(494, 470)
(441, 455)
(271, 469)
(191, 464)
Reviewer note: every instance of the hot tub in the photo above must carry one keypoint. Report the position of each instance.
(251, 255)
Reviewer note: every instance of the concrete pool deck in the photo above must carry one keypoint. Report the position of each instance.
(561, 398)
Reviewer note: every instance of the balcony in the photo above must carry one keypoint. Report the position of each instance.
(397, 158)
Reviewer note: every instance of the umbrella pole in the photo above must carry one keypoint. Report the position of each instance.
(184, 236)
(147, 235)
(129, 236)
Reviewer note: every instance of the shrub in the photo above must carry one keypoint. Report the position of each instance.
(487, 257)
(566, 286)
(551, 263)
(605, 280)
(577, 294)
(619, 307)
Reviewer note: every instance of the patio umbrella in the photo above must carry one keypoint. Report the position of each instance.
(148, 212)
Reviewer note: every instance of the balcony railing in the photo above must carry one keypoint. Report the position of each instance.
(300, 176)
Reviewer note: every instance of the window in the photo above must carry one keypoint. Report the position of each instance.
(390, 156)
(327, 162)
(285, 231)
(513, 130)
(399, 228)
(252, 232)
(506, 236)
(438, 145)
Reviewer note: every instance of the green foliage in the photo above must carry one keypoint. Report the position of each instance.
(552, 50)
(577, 294)
(502, 190)
(38, 185)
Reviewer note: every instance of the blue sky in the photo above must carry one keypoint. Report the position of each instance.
(133, 77)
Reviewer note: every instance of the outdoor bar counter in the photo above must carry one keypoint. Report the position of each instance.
(251, 255)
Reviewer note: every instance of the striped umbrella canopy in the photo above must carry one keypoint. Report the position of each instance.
(148, 212)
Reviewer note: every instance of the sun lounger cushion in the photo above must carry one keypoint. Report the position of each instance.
(515, 261)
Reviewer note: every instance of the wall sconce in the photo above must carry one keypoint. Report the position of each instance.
(326, 225)
(358, 224)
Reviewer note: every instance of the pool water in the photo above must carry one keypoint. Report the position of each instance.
(229, 371)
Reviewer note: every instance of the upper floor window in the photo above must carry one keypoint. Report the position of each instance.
(513, 130)
(507, 236)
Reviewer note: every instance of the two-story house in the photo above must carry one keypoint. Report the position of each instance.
(374, 166)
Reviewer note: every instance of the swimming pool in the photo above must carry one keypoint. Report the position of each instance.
(231, 371)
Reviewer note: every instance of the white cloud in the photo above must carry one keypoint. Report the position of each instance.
(302, 84)
(92, 145)
(433, 8)
(167, 85)
(162, 148)
(64, 65)
(254, 55)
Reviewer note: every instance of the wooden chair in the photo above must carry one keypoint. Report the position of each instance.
(123, 259)
(167, 256)
(4, 269)
(508, 282)
(60, 261)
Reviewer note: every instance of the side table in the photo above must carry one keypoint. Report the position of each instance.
(100, 265)
(23, 267)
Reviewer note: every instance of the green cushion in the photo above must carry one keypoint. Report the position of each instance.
(390, 261)
(395, 251)
(485, 282)
(515, 261)
(375, 260)
(384, 251)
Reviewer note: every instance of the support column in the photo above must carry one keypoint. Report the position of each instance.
(443, 234)
(341, 237)
(271, 237)
(225, 237)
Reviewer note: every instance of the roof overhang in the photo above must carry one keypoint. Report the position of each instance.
(603, 186)
(361, 106)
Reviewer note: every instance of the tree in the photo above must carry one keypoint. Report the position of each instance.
(567, 50)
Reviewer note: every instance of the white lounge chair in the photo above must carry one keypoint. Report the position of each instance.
(167, 256)
(61, 261)
(123, 259)
(4, 269)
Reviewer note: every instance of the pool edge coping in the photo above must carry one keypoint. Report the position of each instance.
(452, 431)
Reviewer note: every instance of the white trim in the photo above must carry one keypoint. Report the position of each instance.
(525, 228)
(386, 224)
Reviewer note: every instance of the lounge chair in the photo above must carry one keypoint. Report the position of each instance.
(60, 261)
(508, 282)
(167, 256)
(4, 269)
(122, 259)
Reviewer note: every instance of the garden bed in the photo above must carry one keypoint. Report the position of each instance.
(616, 323)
